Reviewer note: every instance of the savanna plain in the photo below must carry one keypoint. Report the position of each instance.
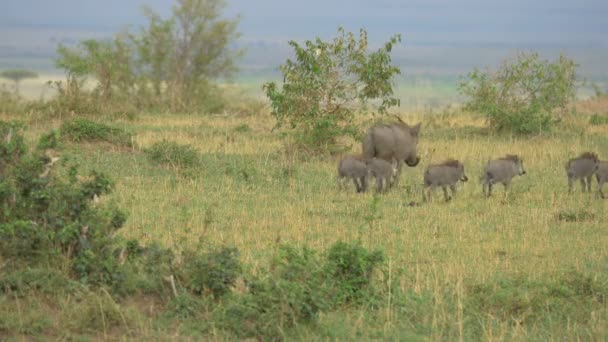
(531, 264)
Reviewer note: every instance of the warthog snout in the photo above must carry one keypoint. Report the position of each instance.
(523, 172)
(413, 163)
(464, 178)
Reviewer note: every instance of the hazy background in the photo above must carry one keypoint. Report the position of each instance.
(442, 39)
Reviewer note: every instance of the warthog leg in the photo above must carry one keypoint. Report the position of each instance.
(589, 183)
(583, 184)
(397, 175)
(426, 194)
(378, 184)
(364, 184)
(453, 188)
(600, 184)
(445, 193)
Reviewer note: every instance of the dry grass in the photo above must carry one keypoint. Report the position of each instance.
(250, 194)
(298, 202)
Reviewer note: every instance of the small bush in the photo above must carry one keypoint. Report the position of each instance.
(242, 128)
(185, 306)
(80, 130)
(328, 84)
(173, 154)
(575, 215)
(297, 287)
(350, 268)
(13, 145)
(46, 280)
(49, 140)
(147, 269)
(570, 298)
(213, 272)
(293, 291)
(597, 120)
(96, 312)
(523, 95)
(48, 220)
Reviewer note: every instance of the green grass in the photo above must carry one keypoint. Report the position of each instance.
(527, 266)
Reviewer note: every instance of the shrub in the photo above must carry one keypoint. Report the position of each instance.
(523, 94)
(50, 220)
(213, 272)
(49, 140)
(571, 298)
(597, 120)
(328, 84)
(575, 215)
(161, 65)
(293, 291)
(45, 280)
(297, 287)
(13, 145)
(80, 129)
(173, 154)
(350, 268)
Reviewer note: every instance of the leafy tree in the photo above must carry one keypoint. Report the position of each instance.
(17, 75)
(523, 95)
(328, 84)
(172, 61)
(108, 62)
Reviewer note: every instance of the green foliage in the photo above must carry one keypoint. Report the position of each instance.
(565, 300)
(350, 268)
(297, 287)
(169, 64)
(173, 154)
(49, 140)
(96, 311)
(328, 84)
(292, 292)
(575, 215)
(49, 220)
(13, 145)
(146, 269)
(598, 120)
(185, 305)
(213, 272)
(81, 130)
(523, 95)
(43, 280)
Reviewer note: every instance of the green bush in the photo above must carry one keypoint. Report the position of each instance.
(328, 85)
(41, 279)
(212, 272)
(575, 215)
(49, 140)
(597, 120)
(291, 292)
(185, 305)
(80, 130)
(13, 145)
(523, 95)
(49, 220)
(350, 268)
(173, 154)
(297, 287)
(570, 298)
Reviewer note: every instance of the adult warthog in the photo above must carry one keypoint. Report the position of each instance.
(395, 141)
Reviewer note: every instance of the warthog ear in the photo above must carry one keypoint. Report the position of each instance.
(415, 129)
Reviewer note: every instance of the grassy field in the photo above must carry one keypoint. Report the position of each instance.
(470, 269)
